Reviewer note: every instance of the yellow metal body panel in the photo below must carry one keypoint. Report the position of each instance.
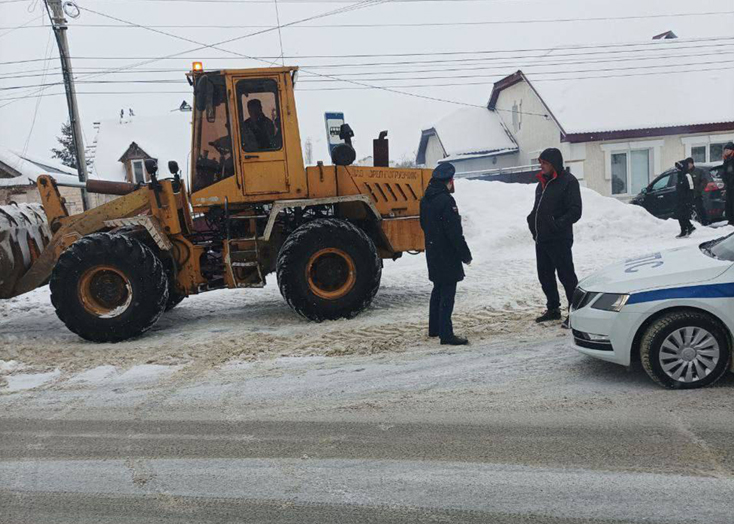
(404, 234)
(396, 192)
(321, 181)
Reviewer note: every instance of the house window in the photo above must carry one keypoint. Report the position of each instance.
(619, 173)
(138, 171)
(716, 152)
(698, 154)
(704, 149)
(630, 171)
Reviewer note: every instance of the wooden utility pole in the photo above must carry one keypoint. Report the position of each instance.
(58, 22)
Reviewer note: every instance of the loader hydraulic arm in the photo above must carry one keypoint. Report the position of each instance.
(68, 229)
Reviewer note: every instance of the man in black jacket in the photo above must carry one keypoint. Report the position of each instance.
(728, 178)
(684, 193)
(446, 249)
(700, 180)
(557, 208)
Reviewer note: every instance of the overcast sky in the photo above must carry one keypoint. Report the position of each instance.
(421, 28)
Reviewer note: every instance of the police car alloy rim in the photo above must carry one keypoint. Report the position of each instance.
(689, 354)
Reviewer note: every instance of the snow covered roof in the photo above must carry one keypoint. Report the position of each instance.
(165, 137)
(27, 168)
(469, 132)
(655, 87)
(640, 102)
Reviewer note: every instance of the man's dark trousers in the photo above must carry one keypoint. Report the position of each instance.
(555, 257)
(441, 308)
(701, 210)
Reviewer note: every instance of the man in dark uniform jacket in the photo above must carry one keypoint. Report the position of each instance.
(700, 178)
(557, 208)
(728, 177)
(446, 249)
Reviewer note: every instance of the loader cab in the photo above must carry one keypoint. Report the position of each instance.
(246, 144)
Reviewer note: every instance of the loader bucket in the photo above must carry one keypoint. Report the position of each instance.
(24, 233)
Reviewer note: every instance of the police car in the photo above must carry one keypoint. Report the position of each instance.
(674, 309)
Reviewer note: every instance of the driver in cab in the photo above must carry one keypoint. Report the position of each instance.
(259, 130)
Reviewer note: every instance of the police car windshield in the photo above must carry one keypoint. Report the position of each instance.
(721, 248)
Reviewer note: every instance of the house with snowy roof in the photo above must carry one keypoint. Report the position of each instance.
(617, 133)
(117, 154)
(19, 172)
(122, 145)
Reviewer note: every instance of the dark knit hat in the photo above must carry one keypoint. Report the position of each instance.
(729, 145)
(444, 171)
(554, 157)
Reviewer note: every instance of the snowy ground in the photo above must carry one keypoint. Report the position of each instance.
(497, 301)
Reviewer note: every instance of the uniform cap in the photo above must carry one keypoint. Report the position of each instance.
(729, 145)
(444, 171)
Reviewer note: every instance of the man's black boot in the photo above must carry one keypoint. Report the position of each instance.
(550, 314)
(566, 323)
(454, 341)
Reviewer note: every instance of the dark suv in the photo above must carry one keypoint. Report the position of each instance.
(659, 197)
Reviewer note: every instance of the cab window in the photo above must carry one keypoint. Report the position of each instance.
(660, 183)
(212, 148)
(259, 110)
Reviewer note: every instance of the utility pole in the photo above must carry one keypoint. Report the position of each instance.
(58, 22)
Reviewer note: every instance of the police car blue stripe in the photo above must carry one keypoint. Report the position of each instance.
(707, 291)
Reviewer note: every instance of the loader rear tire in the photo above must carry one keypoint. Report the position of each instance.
(109, 288)
(328, 269)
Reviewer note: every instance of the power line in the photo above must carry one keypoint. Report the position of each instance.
(612, 50)
(459, 84)
(352, 7)
(23, 26)
(446, 67)
(337, 79)
(404, 25)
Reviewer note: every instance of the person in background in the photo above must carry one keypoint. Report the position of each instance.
(700, 180)
(557, 208)
(446, 249)
(684, 190)
(728, 177)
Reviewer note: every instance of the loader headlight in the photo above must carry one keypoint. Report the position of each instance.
(610, 302)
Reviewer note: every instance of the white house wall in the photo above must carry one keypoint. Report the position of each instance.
(483, 164)
(665, 151)
(434, 151)
(534, 133)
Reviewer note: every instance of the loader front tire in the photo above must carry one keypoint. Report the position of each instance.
(328, 269)
(109, 288)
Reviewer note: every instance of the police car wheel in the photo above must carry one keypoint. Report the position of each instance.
(685, 350)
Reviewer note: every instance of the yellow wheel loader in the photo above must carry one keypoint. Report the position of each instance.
(252, 209)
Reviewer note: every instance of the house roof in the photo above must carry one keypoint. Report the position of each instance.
(27, 168)
(661, 97)
(469, 132)
(165, 137)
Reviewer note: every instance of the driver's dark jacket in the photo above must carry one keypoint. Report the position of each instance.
(259, 133)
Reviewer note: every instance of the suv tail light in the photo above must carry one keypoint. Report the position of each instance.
(714, 186)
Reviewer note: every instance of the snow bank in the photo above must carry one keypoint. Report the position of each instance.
(499, 298)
